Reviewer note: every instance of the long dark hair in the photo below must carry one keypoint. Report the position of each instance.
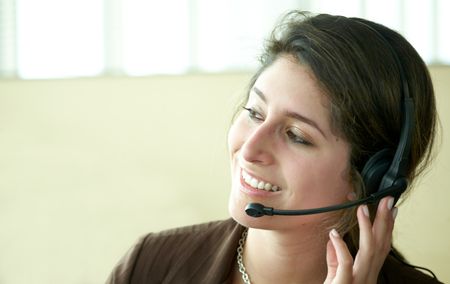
(358, 72)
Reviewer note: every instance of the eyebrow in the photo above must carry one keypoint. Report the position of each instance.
(291, 114)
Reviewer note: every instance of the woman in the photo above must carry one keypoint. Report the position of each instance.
(330, 94)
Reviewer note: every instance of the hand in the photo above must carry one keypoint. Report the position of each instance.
(374, 246)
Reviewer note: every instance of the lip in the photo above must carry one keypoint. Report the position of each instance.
(247, 189)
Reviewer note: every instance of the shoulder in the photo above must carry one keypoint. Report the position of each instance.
(394, 271)
(180, 253)
(193, 232)
(188, 240)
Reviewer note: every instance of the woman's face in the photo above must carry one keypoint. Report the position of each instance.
(283, 151)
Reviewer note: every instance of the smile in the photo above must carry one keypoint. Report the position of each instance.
(258, 184)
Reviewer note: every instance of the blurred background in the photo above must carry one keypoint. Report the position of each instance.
(114, 116)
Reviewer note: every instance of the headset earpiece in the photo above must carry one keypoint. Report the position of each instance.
(374, 170)
(386, 171)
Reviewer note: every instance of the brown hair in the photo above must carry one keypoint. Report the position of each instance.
(358, 72)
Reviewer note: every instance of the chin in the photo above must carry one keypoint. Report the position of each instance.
(251, 222)
(237, 212)
(283, 223)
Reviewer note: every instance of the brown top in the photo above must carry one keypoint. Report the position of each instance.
(206, 253)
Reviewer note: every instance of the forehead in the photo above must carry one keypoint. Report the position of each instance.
(292, 86)
(287, 74)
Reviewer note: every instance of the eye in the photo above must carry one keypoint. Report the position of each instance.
(297, 138)
(253, 114)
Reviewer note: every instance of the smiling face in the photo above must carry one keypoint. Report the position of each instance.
(284, 153)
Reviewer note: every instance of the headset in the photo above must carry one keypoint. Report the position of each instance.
(384, 173)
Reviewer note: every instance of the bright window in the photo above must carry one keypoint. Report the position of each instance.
(59, 38)
(156, 36)
(72, 38)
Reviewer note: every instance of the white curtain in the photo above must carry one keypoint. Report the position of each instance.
(72, 38)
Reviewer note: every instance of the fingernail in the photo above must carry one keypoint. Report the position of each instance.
(335, 233)
(394, 212)
(390, 203)
(365, 210)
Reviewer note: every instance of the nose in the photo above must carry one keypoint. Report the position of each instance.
(258, 147)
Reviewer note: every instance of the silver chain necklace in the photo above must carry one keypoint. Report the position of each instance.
(239, 257)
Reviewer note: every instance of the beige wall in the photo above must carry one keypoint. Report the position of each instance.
(88, 165)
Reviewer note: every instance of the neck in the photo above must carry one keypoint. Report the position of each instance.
(285, 256)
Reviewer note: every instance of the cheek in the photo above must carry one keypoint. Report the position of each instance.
(336, 179)
(235, 136)
(321, 183)
(231, 138)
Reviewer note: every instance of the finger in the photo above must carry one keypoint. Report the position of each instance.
(344, 271)
(384, 224)
(365, 230)
(382, 232)
(367, 249)
(332, 262)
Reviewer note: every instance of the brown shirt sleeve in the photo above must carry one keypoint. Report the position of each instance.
(202, 253)
(123, 271)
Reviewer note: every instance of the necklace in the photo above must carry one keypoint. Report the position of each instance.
(239, 257)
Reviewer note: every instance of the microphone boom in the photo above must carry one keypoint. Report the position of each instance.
(258, 210)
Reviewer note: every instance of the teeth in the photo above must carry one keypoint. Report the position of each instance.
(261, 185)
(253, 182)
